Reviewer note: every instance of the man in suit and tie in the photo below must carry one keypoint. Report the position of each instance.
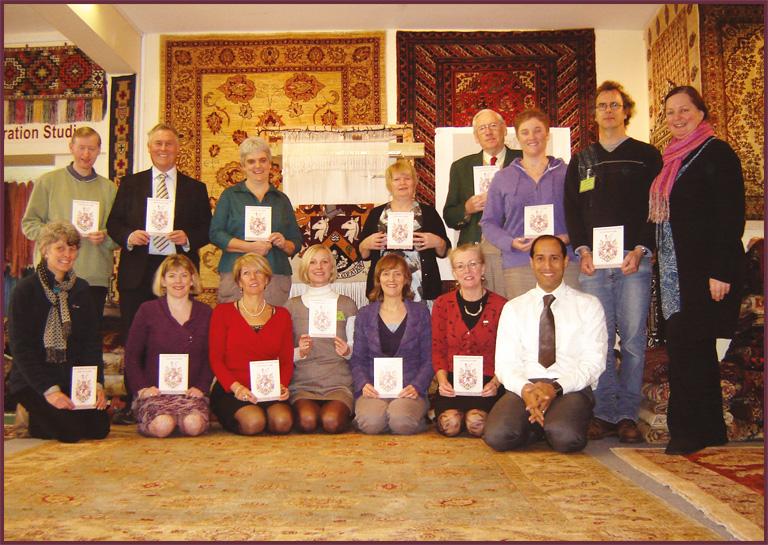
(550, 351)
(463, 209)
(141, 254)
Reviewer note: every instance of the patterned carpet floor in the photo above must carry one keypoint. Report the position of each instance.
(726, 483)
(324, 487)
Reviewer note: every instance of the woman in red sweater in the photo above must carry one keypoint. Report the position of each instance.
(249, 330)
(464, 323)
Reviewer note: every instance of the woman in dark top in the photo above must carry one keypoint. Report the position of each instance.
(53, 328)
(172, 324)
(429, 238)
(464, 323)
(697, 202)
(392, 326)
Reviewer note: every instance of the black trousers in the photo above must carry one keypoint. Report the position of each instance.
(132, 299)
(566, 422)
(695, 409)
(48, 422)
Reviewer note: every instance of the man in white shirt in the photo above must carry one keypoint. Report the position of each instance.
(552, 400)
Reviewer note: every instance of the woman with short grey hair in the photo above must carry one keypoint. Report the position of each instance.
(227, 231)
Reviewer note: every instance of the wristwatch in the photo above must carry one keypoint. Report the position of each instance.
(558, 388)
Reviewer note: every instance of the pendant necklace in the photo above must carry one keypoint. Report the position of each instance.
(249, 313)
(477, 313)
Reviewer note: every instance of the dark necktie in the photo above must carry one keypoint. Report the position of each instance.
(493, 161)
(547, 333)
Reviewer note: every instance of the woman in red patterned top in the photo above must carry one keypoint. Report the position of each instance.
(464, 323)
(244, 331)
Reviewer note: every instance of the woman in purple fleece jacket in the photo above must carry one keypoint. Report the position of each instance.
(392, 326)
(172, 324)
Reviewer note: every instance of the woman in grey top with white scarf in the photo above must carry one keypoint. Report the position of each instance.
(321, 386)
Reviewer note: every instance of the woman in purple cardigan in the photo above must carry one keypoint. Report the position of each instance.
(392, 326)
(172, 324)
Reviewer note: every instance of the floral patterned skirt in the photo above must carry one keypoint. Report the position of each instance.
(145, 410)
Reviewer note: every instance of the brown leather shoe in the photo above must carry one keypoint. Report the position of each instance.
(628, 432)
(599, 429)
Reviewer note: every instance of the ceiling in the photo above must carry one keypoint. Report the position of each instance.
(22, 24)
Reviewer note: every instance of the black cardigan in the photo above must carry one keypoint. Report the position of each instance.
(706, 214)
(430, 274)
(27, 314)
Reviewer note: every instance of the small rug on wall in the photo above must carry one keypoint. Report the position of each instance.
(58, 84)
(445, 78)
(324, 487)
(726, 483)
(219, 90)
(122, 121)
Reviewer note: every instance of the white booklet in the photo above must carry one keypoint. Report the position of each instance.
(159, 219)
(399, 230)
(608, 246)
(483, 176)
(468, 375)
(265, 379)
(173, 376)
(539, 220)
(322, 318)
(84, 387)
(258, 223)
(85, 216)
(388, 376)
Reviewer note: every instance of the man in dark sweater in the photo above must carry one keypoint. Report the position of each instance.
(607, 185)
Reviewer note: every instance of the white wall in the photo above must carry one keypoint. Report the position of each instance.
(621, 56)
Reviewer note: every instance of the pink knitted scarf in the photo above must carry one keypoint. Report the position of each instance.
(676, 151)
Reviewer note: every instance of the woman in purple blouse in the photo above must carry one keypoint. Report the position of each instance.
(174, 323)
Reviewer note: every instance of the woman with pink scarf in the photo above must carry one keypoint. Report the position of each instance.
(697, 202)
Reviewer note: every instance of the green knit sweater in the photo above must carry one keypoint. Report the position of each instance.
(52, 198)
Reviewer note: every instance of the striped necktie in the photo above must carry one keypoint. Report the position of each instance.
(161, 192)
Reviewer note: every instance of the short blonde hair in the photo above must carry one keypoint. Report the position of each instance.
(468, 247)
(55, 231)
(307, 257)
(398, 167)
(85, 132)
(259, 262)
(175, 261)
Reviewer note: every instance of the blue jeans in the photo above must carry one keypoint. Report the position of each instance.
(625, 300)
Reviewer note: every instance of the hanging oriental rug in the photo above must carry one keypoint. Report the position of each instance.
(219, 90)
(58, 84)
(444, 78)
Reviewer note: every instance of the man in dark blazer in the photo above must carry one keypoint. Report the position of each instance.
(141, 254)
(463, 209)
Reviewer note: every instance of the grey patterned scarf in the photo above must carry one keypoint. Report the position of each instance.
(58, 326)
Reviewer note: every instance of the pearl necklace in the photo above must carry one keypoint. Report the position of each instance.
(249, 313)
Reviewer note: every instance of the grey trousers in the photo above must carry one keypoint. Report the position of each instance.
(401, 416)
(566, 422)
(276, 293)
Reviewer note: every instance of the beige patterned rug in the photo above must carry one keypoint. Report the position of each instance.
(323, 487)
(726, 483)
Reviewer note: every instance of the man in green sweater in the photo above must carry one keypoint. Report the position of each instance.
(52, 198)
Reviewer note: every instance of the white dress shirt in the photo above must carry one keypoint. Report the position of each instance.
(581, 340)
(499, 157)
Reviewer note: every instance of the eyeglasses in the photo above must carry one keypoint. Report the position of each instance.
(489, 127)
(461, 267)
(613, 106)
